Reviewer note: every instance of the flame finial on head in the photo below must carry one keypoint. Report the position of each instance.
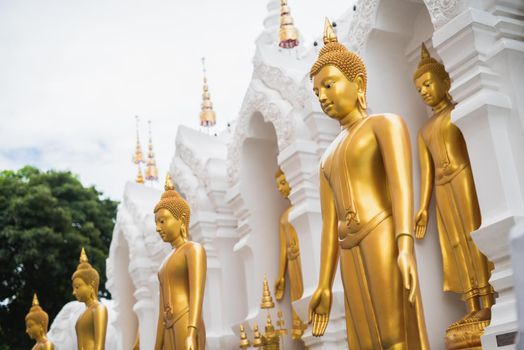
(83, 256)
(424, 53)
(35, 300)
(169, 183)
(329, 33)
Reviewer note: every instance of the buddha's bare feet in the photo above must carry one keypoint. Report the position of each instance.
(483, 315)
(469, 317)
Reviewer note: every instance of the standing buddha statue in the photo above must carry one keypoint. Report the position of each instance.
(91, 326)
(444, 165)
(289, 258)
(366, 199)
(182, 277)
(36, 322)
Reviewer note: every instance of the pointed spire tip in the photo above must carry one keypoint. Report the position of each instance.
(329, 33)
(83, 256)
(35, 300)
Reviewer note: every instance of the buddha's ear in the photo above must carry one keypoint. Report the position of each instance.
(183, 228)
(361, 91)
(447, 83)
(359, 80)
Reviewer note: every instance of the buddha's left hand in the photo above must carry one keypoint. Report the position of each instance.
(408, 270)
(191, 340)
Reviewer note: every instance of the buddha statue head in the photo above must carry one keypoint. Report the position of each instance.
(432, 80)
(36, 321)
(282, 184)
(85, 280)
(339, 78)
(172, 215)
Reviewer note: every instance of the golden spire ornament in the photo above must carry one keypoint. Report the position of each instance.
(207, 114)
(151, 169)
(257, 338)
(267, 300)
(244, 342)
(139, 178)
(138, 157)
(287, 35)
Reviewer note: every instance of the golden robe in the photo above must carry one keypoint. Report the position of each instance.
(175, 297)
(466, 269)
(357, 173)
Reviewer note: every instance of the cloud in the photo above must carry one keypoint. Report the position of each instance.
(74, 74)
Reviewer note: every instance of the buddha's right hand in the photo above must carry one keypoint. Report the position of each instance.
(421, 223)
(280, 286)
(319, 309)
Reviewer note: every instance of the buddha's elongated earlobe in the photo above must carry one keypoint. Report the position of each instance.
(361, 97)
(361, 93)
(183, 229)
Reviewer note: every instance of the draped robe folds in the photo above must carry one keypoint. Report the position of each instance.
(378, 312)
(174, 301)
(466, 269)
(293, 265)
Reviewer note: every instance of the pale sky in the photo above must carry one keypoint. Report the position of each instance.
(73, 74)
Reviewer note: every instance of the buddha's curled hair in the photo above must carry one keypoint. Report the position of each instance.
(336, 54)
(176, 205)
(86, 272)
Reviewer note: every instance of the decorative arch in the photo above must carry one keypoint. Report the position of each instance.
(272, 111)
(364, 19)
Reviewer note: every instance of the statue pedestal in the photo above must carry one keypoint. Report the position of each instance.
(465, 336)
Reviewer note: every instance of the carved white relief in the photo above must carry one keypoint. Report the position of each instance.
(256, 101)
(193, 162)
(361, 25)
(442, 11)
(277, 80)
(183, 183)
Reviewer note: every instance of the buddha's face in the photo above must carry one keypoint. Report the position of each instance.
(34, 329)
(338, 96)
(167, 226)
(431, 88)
(82, 290)
(283, 185)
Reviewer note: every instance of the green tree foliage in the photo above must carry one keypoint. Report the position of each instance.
(45, 220)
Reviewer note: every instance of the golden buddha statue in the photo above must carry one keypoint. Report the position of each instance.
(444, 165)
(289, 258)
(91, 326)
(367, 212)
(182, 277)
(271, 338)
(36, 322)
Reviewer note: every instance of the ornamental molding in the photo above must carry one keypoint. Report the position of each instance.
(277, 80)
(442, 11)
(188, 156)
(183, 183)
(256, 101)
(362, 23)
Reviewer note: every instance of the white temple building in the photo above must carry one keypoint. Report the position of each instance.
(228, 179)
